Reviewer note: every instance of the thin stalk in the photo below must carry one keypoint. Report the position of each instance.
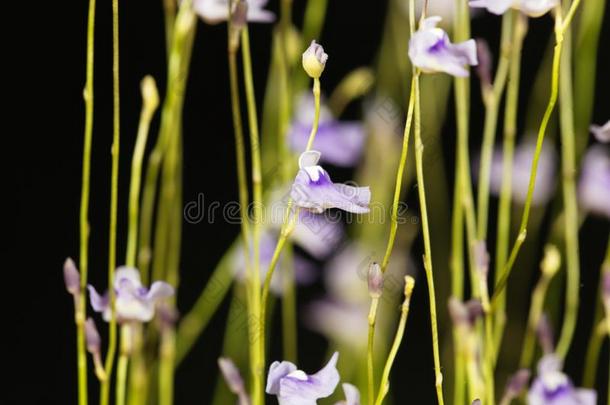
(419, 152)
(257, 353)
(508, 148)
(391, 238)
(123, 364)
(560, 29)
(114, 191)
(492, 101)
(568, 163)
(150, 102)
(384, 385)
(84, 212)
(167, 351)
(536, 309)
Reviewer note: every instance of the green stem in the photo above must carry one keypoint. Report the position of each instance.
(370, 371)
(149, 107)
(568, 163)
(166, 367)
(114, 191)
(123, 364)
(384, 385)
(84, 212)
(559, 37)
(492, 101)
(508, 148)
(419, 152)
(257, 353)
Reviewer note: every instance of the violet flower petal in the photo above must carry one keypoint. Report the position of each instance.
(300, 388)
(602, 134)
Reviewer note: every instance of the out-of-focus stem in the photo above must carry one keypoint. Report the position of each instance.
(508, 148)
(370, 372)
(150, 102)
(257, 353)
(384, 385)
(559, 38)
(492, 101)
(114, 191)
(568, 164)
(80, 309)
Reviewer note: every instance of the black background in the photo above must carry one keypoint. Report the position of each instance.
(49, 130)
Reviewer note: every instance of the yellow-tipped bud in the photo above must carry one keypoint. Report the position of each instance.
(150, 95)
(551, 261)
(314, 60)
(409, 284)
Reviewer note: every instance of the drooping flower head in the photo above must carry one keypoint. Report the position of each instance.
(294, 387)
(217, 11)
(431, 51)
(602, 134)
(594, 184)
(314, 60)
(314, 190)
(134, 302)
(341, 143)
(531, 8)
(553, 387)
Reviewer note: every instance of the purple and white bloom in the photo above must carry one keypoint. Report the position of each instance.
(594, 184)
(531, 8)
(304, 271)
(602, 134)
(522, 163)
(294, 387)
(341, 143)
(352, 395)
(553, 387)
(314, 190)
(134, 302)
(431, 51)
(217, 11)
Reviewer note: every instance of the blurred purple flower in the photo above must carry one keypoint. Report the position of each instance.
(532, 8)
(553, 387)
(594, 185)
(344, 323)
(522, 163)
(71, 277)
(294, 387)
(304, 271)
(134, 302)
(431, 51)
(352, 395)
(341, 143)
(233, 378)
(314, 190)
(602, 134)
(216, 11)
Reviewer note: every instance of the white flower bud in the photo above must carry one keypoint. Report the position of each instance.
(314, 60)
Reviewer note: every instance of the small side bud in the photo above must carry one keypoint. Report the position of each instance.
(485, 64)
(465, 314)
(92, 337)
(516, 384)
(71, 277)
(409, 285)
(239, 19)
(476, 402)
(150, 95)
(375, 280)
(545, 334)
(314, 60)
(551, 261)
(231, 375)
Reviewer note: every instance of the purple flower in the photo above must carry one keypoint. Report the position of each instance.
(602, 134)
(216, 11)
(522, 164)
(431, 51)
(532, 8)
(314, 190)
(295, 387)
(303, 270)
(553, 387)
(134, 302)
(341, 143)
(594, 185)
(352, 395)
